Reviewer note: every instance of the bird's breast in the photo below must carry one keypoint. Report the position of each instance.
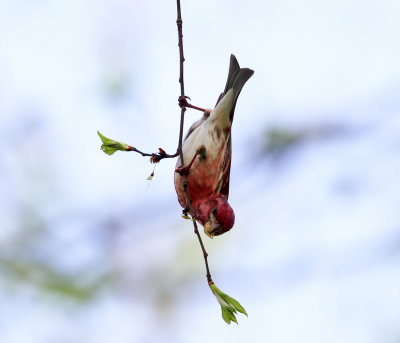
(205, 171)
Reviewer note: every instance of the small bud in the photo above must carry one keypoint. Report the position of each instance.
(229, 306)
(155, 158)
(110, 146)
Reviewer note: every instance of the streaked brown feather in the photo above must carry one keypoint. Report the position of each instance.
(226, 168)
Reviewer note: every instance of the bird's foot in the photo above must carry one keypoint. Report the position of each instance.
(186, 210)
(182, 101)
(184, 170)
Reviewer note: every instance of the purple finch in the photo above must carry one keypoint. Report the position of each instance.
(207, 153)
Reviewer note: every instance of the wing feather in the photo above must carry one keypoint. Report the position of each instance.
(223, 184)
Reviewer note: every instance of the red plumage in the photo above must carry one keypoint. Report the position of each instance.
(207, 152)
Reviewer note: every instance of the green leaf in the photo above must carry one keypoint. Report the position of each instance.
(237, 305)
(225, 315)
(110, 146)
(233, 317)
(225, 304)
(229, 305)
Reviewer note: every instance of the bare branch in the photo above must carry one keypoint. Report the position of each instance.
(183, 105)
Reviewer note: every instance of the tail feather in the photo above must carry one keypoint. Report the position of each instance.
(237, 78)
(241, 77)
(233, 69)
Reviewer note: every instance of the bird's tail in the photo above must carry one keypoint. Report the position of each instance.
(237, 77)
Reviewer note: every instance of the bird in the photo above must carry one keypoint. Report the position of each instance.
(207, 155)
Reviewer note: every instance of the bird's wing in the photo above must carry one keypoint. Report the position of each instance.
(237, 77)
(223, 184)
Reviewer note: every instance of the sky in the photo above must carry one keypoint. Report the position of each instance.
(92, 251)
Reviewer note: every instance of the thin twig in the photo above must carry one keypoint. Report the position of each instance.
(157, 157)
(183, 109)
(205, 255)
(181, 81)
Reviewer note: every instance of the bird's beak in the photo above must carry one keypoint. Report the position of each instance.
(207, 229)
(212, 228)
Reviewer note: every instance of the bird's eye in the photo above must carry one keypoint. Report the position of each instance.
(214, 211)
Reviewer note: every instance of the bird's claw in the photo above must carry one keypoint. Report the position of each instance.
(182, 101)
(183, 171)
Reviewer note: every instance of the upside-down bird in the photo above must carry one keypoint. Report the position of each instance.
(207, 154)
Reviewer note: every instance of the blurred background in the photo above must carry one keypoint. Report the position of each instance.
(90, 251)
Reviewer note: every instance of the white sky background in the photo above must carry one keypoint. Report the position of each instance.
(314, 255)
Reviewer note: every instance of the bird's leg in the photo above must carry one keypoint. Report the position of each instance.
(186, 210)
(184, 103)
(184, 170)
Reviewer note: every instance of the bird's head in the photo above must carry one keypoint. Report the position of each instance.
(217, 216)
